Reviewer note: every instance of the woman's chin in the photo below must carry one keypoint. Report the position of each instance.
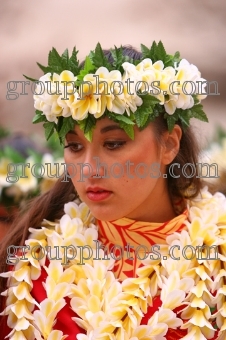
(104, 215)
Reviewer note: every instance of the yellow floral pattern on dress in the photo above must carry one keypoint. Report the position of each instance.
(137, 238)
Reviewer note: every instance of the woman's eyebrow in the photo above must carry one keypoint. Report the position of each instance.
(110, 128)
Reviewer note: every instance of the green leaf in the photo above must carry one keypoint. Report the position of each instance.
(35, 155)
(125, 123)
(184, 116)
(127, 128)
(196, 101)
(169, 61)
(149, 102)
(91, 55)
(153, 50)
(197, 112)
(176, 57)
(129, 59)
(160, 53)
(68, 124)
(155, 53)
(126, 120)
(65, 59)
(13, 155)
(141, 118)
(4, 132)
(88, 68)
(170, 122)
(39, 117)
(145, 110)
(150, 118)
(59, 124)
(29, 78)
(98, 58)
(55, 61)
(49, 129)
(45, 69)
(87, 124)
(73, 62)
(120, 118)
(145, 51)
(89, 135)
(54, 144)
(118, 58)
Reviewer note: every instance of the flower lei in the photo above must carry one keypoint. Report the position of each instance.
(127, 91)
(109, 309)
(16, 194)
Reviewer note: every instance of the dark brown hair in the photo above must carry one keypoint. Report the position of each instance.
(50, 205)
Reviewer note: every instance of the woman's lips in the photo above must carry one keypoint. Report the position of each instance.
(98, 195)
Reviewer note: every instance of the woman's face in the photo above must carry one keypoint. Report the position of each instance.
(130, 183)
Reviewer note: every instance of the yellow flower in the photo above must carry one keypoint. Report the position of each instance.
(195, 333)
(4, 172)
(156, 75)
(112, 95)
(50, 169)
(81, 211)
(147, 332)
(130, 79)
(67, 88)
(199, 319)
(22, 291)
(85, 100)
(56, 335)
(30, 181)
(208, 233)
(58, 282)
(44, 318)
(108, 309)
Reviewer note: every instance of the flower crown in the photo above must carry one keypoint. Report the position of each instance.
(127, 91)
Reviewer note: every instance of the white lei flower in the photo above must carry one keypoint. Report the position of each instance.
(108, 309)
(118, 99)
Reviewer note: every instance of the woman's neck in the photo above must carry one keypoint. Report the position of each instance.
(157, 208)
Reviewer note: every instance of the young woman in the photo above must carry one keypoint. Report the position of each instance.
(142, 257)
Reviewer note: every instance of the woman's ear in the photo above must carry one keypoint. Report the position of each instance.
(171, 144)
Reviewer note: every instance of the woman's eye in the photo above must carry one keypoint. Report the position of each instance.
(114, 145)
(74, 147)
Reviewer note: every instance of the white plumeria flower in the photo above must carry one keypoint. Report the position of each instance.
(195, 334)
(29, 182)
(86, 100)
(130, 78)
(108, 309)
(45, 99)
(81, 211)
(186, 72)
(67, 89)
(4, 162)
(113, 100)
(155, 74)
(45, 317)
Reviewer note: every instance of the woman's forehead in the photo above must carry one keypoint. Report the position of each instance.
(102, 126)
(106, 125)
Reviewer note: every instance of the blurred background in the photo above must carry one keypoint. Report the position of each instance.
(29, 29)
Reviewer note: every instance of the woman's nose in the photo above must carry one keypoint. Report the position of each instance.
(93, 167)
